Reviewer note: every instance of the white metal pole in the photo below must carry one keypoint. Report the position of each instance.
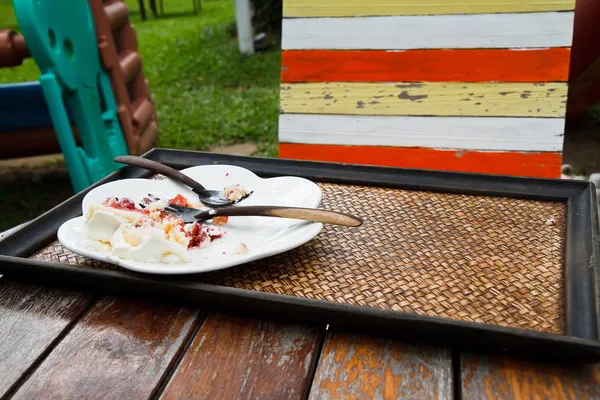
(243, 17)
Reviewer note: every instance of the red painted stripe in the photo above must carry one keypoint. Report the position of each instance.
(542, 165)
(478, 65)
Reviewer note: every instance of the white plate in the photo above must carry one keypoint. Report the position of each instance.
(264, 236)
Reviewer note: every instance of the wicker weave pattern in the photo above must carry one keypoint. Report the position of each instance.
(478, 259)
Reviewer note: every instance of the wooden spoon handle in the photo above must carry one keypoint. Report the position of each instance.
(165, 170)
(308, 214)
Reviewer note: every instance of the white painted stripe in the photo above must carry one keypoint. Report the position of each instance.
(474, 133)
(545, 29)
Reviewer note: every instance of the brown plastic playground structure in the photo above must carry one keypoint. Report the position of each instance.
(13, 49)
(117, 45)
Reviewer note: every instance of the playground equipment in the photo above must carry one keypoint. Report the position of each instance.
(107, 103)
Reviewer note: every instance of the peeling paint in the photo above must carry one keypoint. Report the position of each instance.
(360, 104)
(356, 367)
(405, 96)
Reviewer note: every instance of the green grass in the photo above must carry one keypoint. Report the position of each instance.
(205, 92)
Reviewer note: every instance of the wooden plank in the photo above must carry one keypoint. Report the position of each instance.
(542, 165)
(237, 358)
(551, 29)
(119, 350)
(362, 8)
(471, 133)
(362, 367)
(459, 65)
(588, 78)
(584, 90)
(586, 30)
(31, 319)
(503, 378)
(435, 98)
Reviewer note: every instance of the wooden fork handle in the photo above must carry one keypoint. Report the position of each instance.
(308, 214)
(165, 170)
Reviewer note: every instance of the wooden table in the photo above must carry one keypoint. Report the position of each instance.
(56, 344)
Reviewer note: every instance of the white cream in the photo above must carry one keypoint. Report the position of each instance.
(102, 224)
(134, 235)
(96, 245)
(234, 192)
(148, 243)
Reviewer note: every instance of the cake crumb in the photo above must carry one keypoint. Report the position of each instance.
(241, 249)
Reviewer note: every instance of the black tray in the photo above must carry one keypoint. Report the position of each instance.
(579, 343)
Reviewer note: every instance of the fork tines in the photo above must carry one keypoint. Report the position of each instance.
(147, 200)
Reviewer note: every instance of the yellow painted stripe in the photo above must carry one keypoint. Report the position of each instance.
(434, 98)
(355, 8)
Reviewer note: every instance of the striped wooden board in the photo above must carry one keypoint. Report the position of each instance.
(353, 8)
(472, 86)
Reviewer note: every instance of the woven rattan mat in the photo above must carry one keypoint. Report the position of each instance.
(471, 258)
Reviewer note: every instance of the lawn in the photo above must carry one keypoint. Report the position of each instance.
(206, 93)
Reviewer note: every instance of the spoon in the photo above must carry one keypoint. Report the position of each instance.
(213, 198)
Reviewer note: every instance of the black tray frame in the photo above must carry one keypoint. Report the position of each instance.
(581, 339)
